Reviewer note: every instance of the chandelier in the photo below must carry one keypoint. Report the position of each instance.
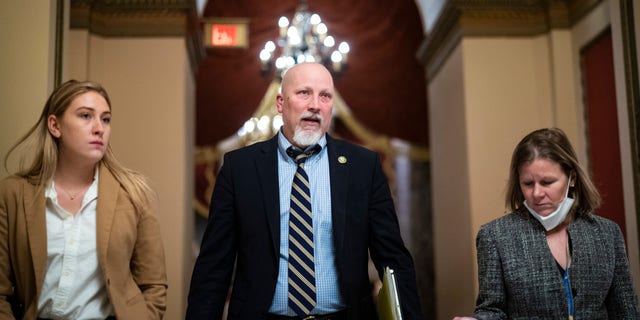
(304, 39)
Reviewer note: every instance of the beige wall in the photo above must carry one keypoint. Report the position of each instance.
(500, 111)
(26, 64)
(152, 92)
(491, 92)
(452, 232)
(78, 53)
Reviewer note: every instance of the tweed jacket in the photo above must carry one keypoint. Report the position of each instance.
(520, 279)
(130, 251)
(244, 227)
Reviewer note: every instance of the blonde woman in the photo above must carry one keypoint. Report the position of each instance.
(78, 235)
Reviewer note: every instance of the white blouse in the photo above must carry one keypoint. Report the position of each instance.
(74, 287)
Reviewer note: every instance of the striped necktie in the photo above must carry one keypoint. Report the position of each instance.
(302, 281)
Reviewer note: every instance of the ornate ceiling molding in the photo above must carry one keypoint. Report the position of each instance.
(141, 18)
(132, 17)
(496, 18)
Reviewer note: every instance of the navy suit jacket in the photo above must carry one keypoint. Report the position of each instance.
(244, 228)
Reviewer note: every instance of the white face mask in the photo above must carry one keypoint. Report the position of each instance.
(557, 217)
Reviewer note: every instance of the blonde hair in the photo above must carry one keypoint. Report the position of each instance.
(45, 160)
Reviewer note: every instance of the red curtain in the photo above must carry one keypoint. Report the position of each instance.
(602, 121)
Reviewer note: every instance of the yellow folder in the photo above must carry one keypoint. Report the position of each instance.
(388, 301)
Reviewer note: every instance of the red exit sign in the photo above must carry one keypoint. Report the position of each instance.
(226, 33)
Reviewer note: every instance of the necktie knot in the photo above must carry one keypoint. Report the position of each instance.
(300, 156)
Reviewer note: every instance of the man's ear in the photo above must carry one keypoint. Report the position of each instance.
(54, 126)
(279, 101)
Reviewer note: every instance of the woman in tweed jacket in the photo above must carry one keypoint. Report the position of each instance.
(552, 234)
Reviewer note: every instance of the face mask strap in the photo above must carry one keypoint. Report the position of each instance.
(566, 194)
(555, 218)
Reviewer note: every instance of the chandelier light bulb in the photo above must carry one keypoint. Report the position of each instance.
(322, 28)
(309, 58)
(277, 122)
(265, 55)
(270, 46)
(289, 62)
(263, 123)
(283, 22)
(315, 19)
(249, 125)
(281, 63)
(344, 50)
(336, 57)
(329, 42)
(336, 61)
(294, 36)
(344, 47)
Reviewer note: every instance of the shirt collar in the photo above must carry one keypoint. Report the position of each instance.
(284, 144)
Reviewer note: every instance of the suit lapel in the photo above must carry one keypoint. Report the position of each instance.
(108, 189)
(35, 216)
(267, 169)
(339, 175)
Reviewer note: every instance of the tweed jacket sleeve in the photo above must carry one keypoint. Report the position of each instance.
(520, 279)
(621, 300)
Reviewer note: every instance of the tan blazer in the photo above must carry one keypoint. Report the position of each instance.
(130, 251)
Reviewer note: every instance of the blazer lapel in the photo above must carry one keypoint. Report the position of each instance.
(339, 176)
(108, 189)
(267, 169)
(35, 216)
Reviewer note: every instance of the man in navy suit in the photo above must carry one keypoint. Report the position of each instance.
(353, 215)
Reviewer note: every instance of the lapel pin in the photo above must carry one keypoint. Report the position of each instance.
(342, 159)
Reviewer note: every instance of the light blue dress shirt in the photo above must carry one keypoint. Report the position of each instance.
(317, 168)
